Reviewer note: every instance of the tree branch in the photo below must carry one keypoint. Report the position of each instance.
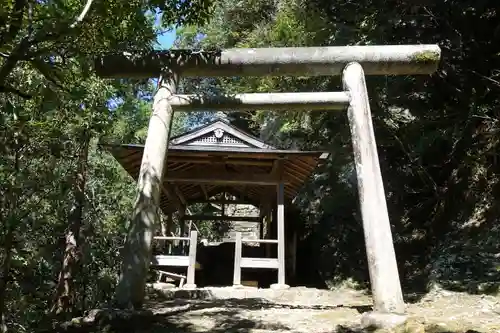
(497, 83)
(82, 14)
(12, 60)
(16, 21)
(23, 47)
(7, 89)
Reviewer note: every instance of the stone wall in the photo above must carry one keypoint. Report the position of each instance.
(249, 230)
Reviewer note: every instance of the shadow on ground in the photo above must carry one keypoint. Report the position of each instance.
(249, 315)
(249, 304)
(225, 321)
(231, 315)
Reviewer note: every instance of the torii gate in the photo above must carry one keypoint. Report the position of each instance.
(352, 62)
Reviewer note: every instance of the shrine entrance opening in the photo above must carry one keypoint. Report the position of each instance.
(231, 191)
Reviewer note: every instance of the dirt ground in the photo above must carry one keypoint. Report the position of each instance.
(303, 310)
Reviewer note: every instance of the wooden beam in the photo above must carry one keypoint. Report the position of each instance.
(204, 190)
(166, 238)
(179, 195)
(241, 195)
(191, 271)
(269, 263)
(237, 260)
(267, 231)
(277, 170)
(219, 160)
(267, 202)
(265, 241)
(266, 213)
(182, 222)
(220, 201)
(173, 276)
(223, 206)
(173, 261)
(170, 192)
(170, 274)
(293, 254)
(382, 264)
(206, 176)
(170, 223)
(281, 234)
(261, 227)
(222, 218)
(240, 198)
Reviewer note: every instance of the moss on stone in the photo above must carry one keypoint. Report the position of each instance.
(426, 56)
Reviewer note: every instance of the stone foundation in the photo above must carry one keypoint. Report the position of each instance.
(292, 295)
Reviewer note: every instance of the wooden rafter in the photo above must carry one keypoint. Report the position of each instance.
(221, 218)
(219, 201)
(179, 194)
(169, 191)
(204, 190)
(217, 177)
(277, 170)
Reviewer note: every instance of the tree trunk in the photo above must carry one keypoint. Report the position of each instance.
(12, 201)
(65, 295)
(4, 279)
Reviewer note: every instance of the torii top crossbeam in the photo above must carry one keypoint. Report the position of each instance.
(295, 61)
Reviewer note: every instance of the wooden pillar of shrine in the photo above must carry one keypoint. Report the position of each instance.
(280, 226)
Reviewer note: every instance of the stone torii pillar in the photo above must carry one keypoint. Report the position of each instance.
(137, 249)
(352, 62)
(384, 276)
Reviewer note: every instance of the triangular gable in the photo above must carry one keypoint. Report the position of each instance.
(219, 133)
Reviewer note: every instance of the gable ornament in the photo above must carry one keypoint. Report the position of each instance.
(219, 133)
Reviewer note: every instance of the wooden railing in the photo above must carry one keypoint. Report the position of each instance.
(188, 261)
(248, 262)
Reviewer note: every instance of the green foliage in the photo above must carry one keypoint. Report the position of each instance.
(50, 98)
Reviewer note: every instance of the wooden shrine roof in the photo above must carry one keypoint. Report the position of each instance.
(219, 158)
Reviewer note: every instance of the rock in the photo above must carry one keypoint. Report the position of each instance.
(98, 319)
(413, 326)
(98, 315)
(163, 285)
(238, 286)
(92, 315)
(376, 320)
(277, 286)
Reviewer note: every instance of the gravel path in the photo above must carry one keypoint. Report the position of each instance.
(304, 310)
